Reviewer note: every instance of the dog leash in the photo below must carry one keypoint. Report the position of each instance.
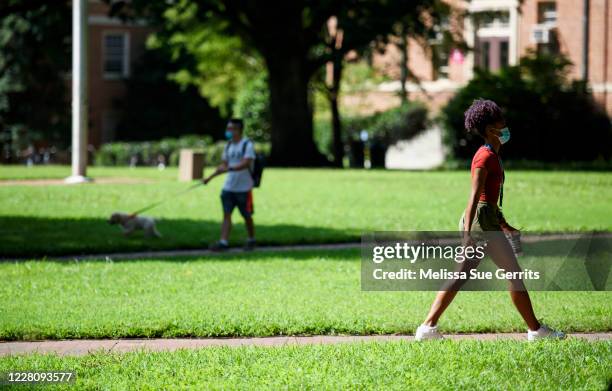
(151, 206)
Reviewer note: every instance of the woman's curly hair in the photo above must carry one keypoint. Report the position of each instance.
(481, 113)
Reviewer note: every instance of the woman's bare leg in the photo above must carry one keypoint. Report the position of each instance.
(448, 293)
(439, 305)
(501, 252)
(522, 302)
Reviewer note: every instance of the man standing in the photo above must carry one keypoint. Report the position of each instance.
(237, 162)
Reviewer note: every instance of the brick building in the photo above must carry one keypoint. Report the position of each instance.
(114, 46)
(500, 32)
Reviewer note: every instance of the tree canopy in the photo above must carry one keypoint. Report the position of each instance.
(35, 57)
(291, 39)
(216, 62)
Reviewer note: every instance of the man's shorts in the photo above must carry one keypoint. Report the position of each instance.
(242, 200)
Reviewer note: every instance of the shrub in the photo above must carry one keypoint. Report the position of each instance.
(389, 127)
(214, 151)
(401, 123)
(116, 154)
(384, 129)
(149, 153)
(551, 118)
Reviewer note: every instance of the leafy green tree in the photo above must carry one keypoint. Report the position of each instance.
(156, 107)
(290, 37)
(34, 60)
(432, 32)
(359, 29)
(551, 118)
(217, 63)
(252, 105)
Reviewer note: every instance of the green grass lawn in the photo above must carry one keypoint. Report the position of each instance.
(502, 365)
(292, 206)
(289, 293)
(258, 294)
(60, 172)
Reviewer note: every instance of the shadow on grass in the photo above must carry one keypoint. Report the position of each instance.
(38, 237)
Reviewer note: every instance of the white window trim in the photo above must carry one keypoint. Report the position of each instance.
(485, 32)
(126, 55)
(511, 31)
(491, 5)
(105, 20)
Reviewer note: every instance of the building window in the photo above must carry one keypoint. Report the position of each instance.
(551, 46)
(440, 46)
(116, 53)
(495, 19)
(439, 61)
(485, 55)
(493, 53)
(545, 34)
(503, 53)
(547, 13)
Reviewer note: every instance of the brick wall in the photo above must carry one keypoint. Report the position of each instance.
(570, 37)
(104, 91)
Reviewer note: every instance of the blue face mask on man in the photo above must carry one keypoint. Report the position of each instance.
(229, 134)
(505, 135)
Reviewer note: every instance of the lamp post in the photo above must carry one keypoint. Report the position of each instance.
(79, 92)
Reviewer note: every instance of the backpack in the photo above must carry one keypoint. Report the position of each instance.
(258, 163)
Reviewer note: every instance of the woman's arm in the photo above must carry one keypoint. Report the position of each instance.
(478, 182)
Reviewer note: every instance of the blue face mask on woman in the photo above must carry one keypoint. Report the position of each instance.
(228, 134)
(505, 135)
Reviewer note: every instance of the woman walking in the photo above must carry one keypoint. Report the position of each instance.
(484, 117)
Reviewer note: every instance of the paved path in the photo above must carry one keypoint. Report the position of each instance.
(62, 182)
(185, 253)
(297, 247)
(84, 346)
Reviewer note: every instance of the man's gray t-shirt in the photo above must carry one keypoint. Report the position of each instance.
(238, 181)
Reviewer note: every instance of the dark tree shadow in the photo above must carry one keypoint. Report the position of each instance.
(39, 237)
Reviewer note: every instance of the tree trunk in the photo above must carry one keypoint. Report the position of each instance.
(338, 146)
(403, 46)
(291, 116)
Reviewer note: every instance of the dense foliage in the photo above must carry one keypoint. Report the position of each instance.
(165, 151)
(205, 55)
(155, 107)
(252, 105)
(290, 38)
(550, 117)
(401, 123)
(34, 60)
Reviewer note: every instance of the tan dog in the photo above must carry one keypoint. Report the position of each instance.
(130, 223)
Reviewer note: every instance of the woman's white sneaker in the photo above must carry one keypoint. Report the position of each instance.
(424, 332)
(544, 332)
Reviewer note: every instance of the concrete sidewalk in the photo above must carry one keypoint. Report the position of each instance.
(156, 254)
(85, 346)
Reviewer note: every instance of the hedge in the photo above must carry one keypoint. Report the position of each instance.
(166, 151)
